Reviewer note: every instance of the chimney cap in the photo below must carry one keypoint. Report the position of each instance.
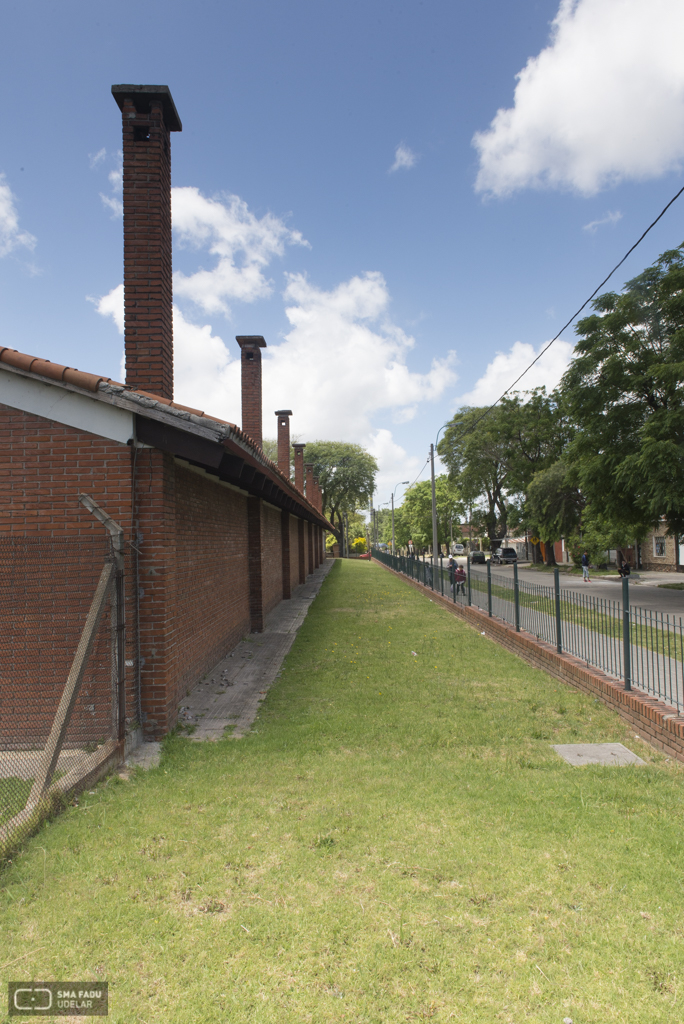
(283, 412)
(250, 340)
(299, 444)
(143, 94)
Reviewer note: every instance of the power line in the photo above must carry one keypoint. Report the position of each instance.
(584, 304)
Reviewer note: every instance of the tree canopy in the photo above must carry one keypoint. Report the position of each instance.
(413, 519)
(624, 390)
(346, 474)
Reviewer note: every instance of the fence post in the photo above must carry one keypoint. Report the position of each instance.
(556, 588)
(516, 597)
(441, 575)
(469, 591)
(489, 588)
(626, 638)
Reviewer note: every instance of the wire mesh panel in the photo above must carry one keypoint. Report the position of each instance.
(54, 728)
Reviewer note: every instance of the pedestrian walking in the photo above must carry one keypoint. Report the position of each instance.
(451, 567)
(460, 578)
(585, 568)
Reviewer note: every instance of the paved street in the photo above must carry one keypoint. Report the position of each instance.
(644, 590)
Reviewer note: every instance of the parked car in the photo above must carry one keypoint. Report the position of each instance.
(457, 549)
(505, 556)
(478, 558)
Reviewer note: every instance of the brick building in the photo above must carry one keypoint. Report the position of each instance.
(216, 534)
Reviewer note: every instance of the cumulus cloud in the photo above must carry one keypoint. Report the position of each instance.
(505, 367)
(344, 360)
(112, 305)
(11, 236)
(612, 217)
(604, 102)
(394, 465)
(404, 158)
(243, 244)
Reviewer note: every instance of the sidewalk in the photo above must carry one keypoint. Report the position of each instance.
(229, 695)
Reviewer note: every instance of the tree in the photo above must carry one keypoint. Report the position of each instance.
(553, 506)
(346, 474)
(624, 389)
(413, 519)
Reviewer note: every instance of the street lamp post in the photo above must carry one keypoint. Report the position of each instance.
(400, 484)
(434, 507)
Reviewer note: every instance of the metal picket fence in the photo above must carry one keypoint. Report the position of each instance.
(642, 647)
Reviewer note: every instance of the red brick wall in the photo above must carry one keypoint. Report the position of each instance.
(44, 466)
(271, 558)
(211, 588)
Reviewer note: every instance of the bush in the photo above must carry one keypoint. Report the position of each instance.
(359, 546)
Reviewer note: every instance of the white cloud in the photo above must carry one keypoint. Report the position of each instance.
(97, 158)
(506, 366)
(243, 243)
(11, 237)
(112, 304)
(394, 465)
(114, 202)
(612, 217)
(343, 361)
(404, 158)
(602, 103)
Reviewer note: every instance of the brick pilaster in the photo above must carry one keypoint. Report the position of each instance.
(148, 115)
(284, 441)
(299, 466)
(251, 346)
(301, 552)
(310, 546)
(285, 550)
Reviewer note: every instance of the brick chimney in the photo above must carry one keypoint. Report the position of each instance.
(149, 115)
(299, 466)
(317, 493)
(251, 346)
(284, 441)
(308, 466)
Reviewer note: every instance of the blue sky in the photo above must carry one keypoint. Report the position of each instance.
(387, 297)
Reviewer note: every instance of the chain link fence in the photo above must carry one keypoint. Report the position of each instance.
(62, 656)
(642, 647)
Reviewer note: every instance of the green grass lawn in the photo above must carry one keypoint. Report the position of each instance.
(395, 841)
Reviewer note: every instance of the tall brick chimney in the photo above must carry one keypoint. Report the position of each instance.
(149, 115)
(284, 441)
(308, 466)
(318, 497)
(251, 346)
(299, 466)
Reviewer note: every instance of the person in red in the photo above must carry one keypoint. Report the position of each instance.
(459, 579)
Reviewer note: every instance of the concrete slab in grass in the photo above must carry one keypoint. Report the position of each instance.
(614, 754)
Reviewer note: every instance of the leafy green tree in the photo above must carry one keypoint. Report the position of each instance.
(554, 505)
(494, 454)
(624, 390)
(346, 474)
(413, 519)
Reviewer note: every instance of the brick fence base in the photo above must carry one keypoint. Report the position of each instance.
(657, 723)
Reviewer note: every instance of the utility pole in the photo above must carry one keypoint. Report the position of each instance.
(434, 507)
